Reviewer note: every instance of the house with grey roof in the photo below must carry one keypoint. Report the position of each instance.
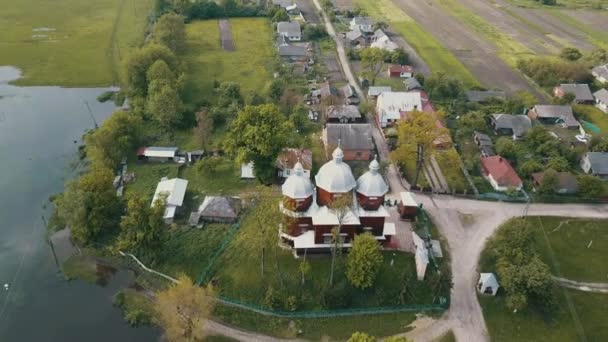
(601, 100)
(219, 209)
(581, 92)
(554, 114)
(290, 30)
(356, 37)
(483, 96)
(349, 94)
(595, 163)
(343, 114)
(485, 144)
(364, 24)
(513, 125)
(412, 83)
(355, 140)
(375, 91)
(600, 73)
(566, 182)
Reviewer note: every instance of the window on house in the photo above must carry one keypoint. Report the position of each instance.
(367, 229)
(327, 238)
(373, 198)
(358, 154)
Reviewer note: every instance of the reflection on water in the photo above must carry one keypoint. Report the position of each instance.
(40, 130)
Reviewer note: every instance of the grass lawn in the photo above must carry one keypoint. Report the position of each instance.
(509, 49)
(249, 65)
(339, 328)
(430, 49)
(449, 163)
(80, 267)
(569, 243)
(238, 276)
(70, 43)
(577, 313)
(595, 116)
(147, 176)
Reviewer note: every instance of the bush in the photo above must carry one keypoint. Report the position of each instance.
(548, 72)
(337, 296)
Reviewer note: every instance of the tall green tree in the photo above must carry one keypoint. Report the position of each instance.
(442, 87)
(160, 71)
(164, 104)
(548, 183)
(170, 31)
(89, 206)
(590, 186)
(115, 139)
(364, 261)
(258, 134)
(340, 207)
(142, 229)
(136, 66)
(372, 62)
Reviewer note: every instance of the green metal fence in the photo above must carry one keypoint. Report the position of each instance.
(208, 270)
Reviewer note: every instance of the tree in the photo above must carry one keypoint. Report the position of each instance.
(305, 269)
(399, 56)
(314, 32)
(159, 71)
(372, 62)
(418, 132)
(274, 89)
(89, 206)
(441, 87)
(597, 57)
(506, 148)
(258, 134)
(529, 167)
(280, 15)
(599, 144)
(525, 283)
(364, 261)
(471, 122)
(548, 183)
(164, 104)
(590, 186)
(229, 93)
(143, 228)
(170, 31)
(116, 138)
(570, 54)
(340, 206)
(519, 102)
(181, 310)
(559, 164)
(380, 25)
(204, 128)
(136, 66)
(361, 337)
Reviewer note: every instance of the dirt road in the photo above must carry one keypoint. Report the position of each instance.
(308, 11)
(477, 55)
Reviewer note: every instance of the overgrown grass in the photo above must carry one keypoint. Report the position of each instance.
(509, 49)
(594, 115)
(85, 43)
(225, 180)
(138, 309)
(80, 267)
(147, 176)
(449, 163)
(339, 328)
(206, 61)
(430, 49)
(579, 247)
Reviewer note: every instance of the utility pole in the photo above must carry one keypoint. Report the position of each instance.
(91, 114)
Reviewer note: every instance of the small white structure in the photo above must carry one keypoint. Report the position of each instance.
(174, 191)
(421, 255)
(391, 105)
(487, 284)
(247, 171)
(381, 41)
(156, 153)
(601, 100)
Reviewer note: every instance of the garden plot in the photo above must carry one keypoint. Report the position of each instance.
(226, 35)
(596, 19)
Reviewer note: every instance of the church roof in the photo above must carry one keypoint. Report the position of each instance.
(372, 183)
(297, 185)
(335, 176)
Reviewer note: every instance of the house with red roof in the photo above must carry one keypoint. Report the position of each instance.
(403, 71)
(499, 172)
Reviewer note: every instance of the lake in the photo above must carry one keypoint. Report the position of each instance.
(40, 130)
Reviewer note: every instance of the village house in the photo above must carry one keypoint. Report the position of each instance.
(290, 30)
(364, 24)
(172, 191)
(596, 164)
(600, 73)
(566, 182)
(355, 140)
(484, 143)
(374, 91)
(403, 71)
(157, 154)
(499, 172)
(412, 84)
(217, 209)
(582, 93)
(294, 53)
(356, 38)
(343, 114)
(349, 94)
(554, 114)
(484, 96)
(381, 40)
(601, 100)
(391, 106)
(309, 220)
(288, 5)
(288, 158)
(514, 125)
(325, 90)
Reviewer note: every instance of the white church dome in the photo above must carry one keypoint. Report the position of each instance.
(371, 183)
(297, 185)
(335, 176)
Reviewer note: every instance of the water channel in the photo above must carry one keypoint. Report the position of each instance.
(40, 130)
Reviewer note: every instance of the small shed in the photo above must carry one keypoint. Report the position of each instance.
(408, 206)
(487, 284)
(247, 171)
(219, 209)
(156, 153)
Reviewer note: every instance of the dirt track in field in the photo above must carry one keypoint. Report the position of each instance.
(477, 55)
(226, 35)
(595, 19)
(551, 25)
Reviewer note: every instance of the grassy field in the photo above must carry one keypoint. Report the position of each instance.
(593, 115)
(578, 315)
(509, 49)
(70, 43)
(596, 36)
(249, 65)
(562, 3)
(430, 50)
